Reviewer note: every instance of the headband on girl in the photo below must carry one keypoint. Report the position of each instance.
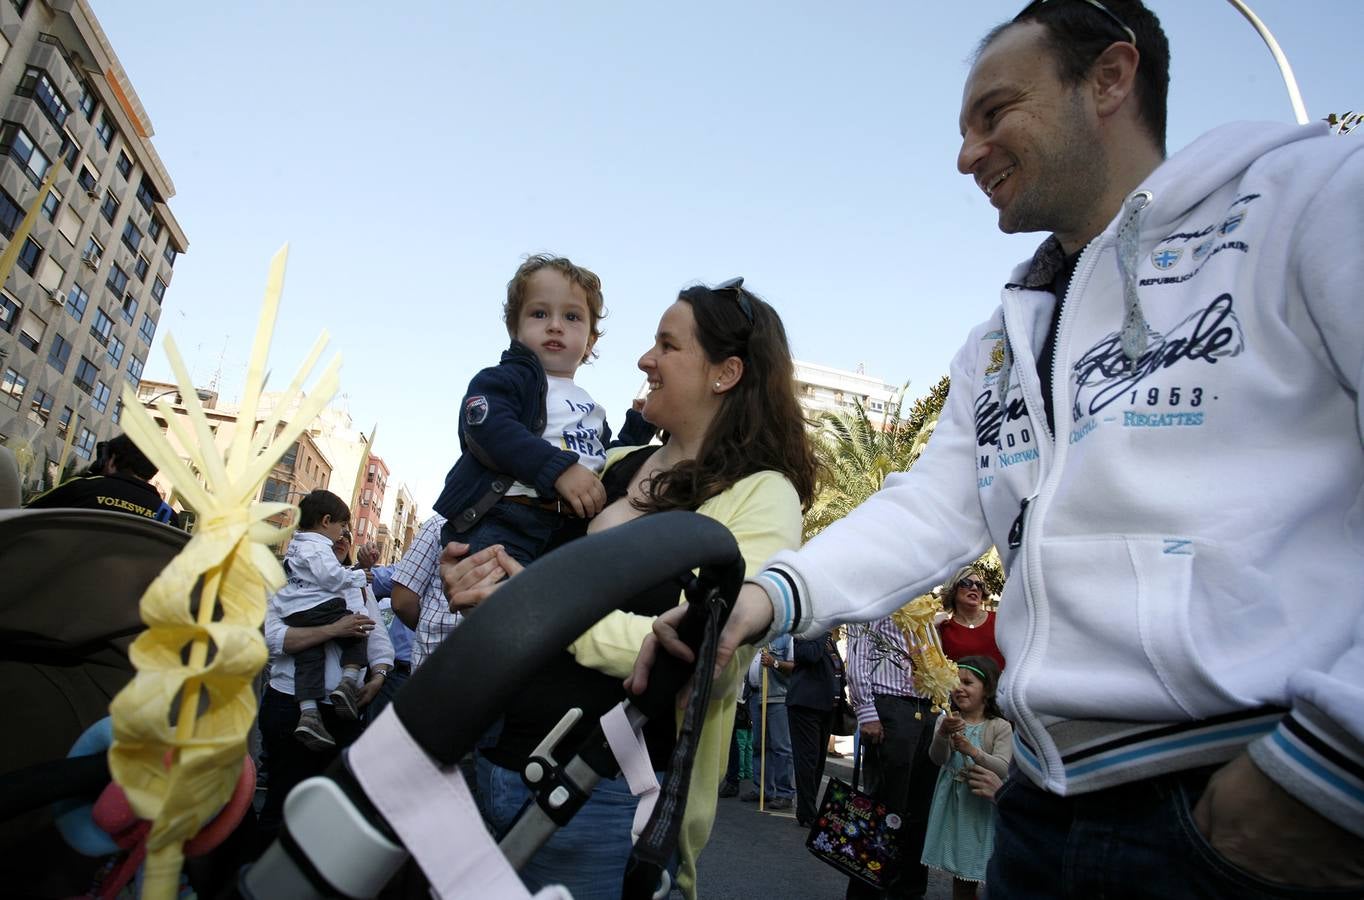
(972, 668)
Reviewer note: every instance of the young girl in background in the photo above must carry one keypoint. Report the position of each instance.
(961, 824)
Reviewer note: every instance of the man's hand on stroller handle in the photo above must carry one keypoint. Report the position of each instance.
(749, 621)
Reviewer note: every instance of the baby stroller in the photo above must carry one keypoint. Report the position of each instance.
(396, 793)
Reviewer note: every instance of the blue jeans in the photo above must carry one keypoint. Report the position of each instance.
(1133, 841)
(781, 775)
(524, 531)
(588, 855)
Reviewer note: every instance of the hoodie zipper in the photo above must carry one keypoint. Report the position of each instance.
(1025, 530)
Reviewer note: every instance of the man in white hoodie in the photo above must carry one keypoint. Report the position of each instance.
(1159, 428)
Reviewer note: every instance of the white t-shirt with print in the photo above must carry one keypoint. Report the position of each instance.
(573, 421)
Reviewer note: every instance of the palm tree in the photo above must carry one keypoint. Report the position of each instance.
(856, 451)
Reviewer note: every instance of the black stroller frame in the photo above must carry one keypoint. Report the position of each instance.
(478, 670)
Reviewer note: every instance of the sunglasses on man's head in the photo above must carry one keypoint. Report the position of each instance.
(1037, 5)
(971, 583)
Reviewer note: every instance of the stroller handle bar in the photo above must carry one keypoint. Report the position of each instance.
(502, 643)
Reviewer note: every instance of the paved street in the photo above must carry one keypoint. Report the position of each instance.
(763, 855)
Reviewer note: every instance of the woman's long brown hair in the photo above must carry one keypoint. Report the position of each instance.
(760, 426)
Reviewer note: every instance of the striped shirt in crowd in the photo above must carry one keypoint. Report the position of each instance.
(419, 572)
(877, 665)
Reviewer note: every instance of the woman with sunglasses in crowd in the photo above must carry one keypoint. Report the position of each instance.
(721, 388)
(969, 629)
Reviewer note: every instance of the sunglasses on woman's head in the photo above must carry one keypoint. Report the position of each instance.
(735, 286)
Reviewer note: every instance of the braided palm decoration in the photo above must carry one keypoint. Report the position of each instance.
(180, 725)
(934, 675)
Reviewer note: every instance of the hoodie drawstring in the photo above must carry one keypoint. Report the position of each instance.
(1133, 333)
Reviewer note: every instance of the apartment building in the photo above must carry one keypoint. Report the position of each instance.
(80, 309)
(368, 514)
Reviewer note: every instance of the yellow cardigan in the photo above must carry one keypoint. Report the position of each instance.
(763, 512)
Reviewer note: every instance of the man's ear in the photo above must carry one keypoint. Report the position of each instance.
(1113, 77)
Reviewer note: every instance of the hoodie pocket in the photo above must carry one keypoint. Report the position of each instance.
(1118, 639)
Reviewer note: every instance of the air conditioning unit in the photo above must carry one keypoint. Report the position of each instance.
(93, 192)
(90, 259)
(56, 297)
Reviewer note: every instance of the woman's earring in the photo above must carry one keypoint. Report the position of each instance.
(717, 385)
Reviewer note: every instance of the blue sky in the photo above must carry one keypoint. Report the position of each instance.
(412, 158)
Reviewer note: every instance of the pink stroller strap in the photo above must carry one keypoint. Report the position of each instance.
(435, 816)
(627, 744)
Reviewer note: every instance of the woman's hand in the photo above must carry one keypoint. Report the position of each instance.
(749, 621)
(351, 626)
(468, 581)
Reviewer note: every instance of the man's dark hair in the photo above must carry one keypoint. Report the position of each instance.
(1078, 32)
(128, 459)
(317, 504)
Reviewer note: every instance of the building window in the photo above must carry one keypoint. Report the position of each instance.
(39, 86)
(29, 254)
(31, 331)
(109, 208)
(100, 399)
(275, 491)
(115, 352)
(63, 421)
(118, 410)
(39, 407)
(9, 313)
(94, 252)
(170, 254)
(132, 235)
(86, 375)
(145, 194)
(105, 131)
(290, 457)
(15, 141)
(135, 364)
(102, 327)
(117, 280)
(140, 268)
(12, 389)
(88, 179)
(76, 302)
(129, 307)
(50, 204)
(154, 229)
(59, 353)
(158, 289)
(84, 443)
(10, 215)
(70, 150)
(87, 101)
(148, 329)
(124, 165)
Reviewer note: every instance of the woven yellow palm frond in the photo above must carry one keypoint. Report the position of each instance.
(180, 725)
(934, 675)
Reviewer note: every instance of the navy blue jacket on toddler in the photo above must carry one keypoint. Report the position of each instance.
(502, 420)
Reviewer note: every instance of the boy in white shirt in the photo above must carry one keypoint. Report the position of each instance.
(534, 443)
(315, 594)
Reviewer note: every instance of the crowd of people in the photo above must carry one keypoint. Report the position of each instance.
(1147, 714)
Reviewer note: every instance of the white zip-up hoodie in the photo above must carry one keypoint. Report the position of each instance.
(1189, 566)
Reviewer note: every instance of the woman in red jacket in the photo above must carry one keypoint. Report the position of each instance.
(970, 629)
